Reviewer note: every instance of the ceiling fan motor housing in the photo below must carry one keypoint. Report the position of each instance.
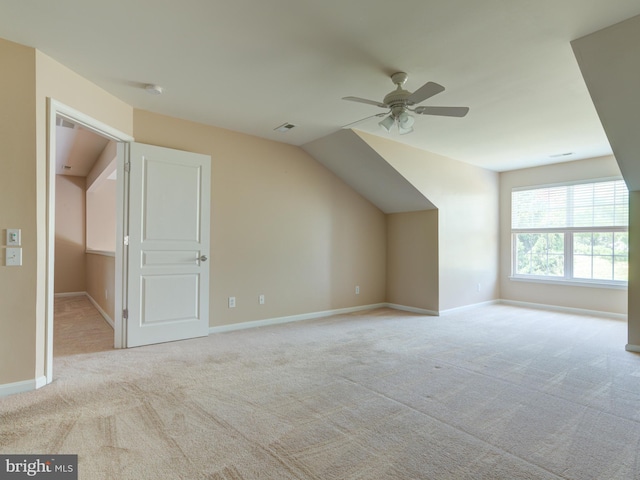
(397, 101)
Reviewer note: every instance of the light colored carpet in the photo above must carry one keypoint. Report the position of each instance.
(495, 392)
(79, 328)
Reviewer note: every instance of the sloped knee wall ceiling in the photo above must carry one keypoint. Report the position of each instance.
(398, 178)
(369, 174)
(610, 65)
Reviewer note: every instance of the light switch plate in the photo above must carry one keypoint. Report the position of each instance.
(13, 257)
(13, 236)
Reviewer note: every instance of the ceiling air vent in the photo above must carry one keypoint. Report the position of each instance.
(63, 122)
(285, 127)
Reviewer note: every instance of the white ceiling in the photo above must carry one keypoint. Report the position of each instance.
(252, 65)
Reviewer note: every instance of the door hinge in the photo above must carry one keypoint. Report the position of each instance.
(127, 166)
(126, 240)
(125, 314)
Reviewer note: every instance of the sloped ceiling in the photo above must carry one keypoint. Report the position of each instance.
(364, 170)
(610, 62)
(77, 149)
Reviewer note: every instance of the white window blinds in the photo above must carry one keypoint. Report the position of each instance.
(587, 205)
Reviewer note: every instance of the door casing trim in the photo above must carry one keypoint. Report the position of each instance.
(55, 109)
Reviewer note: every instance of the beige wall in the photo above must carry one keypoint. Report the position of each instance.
(101, 274)
(282, 225)
(598, 299)
(28, 78)
(412, 259)
(70, 234)
(101, 202)
(101, 217)
(467, 202)
(18, 210)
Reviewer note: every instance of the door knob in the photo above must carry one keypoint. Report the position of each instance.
(203, 258)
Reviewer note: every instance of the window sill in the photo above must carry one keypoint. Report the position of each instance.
(570, 283)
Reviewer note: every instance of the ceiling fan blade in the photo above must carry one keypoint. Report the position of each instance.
(443, 111)
(428, 90)
(364, 100)
(349, 125)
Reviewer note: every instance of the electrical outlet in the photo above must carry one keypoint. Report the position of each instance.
(232, 302)
(261, 299)
(357, 289)
(478, 287)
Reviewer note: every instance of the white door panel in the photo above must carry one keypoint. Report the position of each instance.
(168, 298)
(168, 228)
(171, 191)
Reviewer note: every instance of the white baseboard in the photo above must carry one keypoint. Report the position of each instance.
(69, 294)
(21, 387)
(405, 308)
(556, 308)
(539, 306)
(449, 311)
(420, 311)
(632, 348)
(102, 312)
(292, 318)
(41, 382)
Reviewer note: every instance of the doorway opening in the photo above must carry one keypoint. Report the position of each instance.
(84, 263)
(81, 252)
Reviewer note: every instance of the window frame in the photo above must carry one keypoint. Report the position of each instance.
(567, 232)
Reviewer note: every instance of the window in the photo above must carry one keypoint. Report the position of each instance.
(575, 232)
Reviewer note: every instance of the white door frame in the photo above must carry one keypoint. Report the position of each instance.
(56, 109)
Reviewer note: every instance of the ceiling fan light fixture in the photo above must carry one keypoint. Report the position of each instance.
(403, 130)
(388, 123)
(405, 121)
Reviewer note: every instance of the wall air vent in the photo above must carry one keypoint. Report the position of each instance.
(285, 127)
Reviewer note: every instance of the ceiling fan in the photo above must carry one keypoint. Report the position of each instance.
(400, 101)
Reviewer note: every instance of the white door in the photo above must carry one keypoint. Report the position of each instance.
(166, 269)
